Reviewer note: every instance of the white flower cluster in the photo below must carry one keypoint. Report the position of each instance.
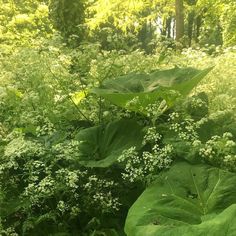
(20, 147)
(208, 151)
(67, 150)
(75, 211)
(151, 136)
(227, 135)
(7, 232)
(46, 129)
(137, 167)
(35, 169)
(101, 195)
(220, 150)
(186, 129)
(62, 206)
(7, 165)
(133, 103)
(159, 158)
(155, 109)
(33, 118)
(44, 188)
(230, 162)
(89, 191)
(196, 143)
(16, 133)
(130, 153)
(202, 121)
(173, 116)
(70, 179)
(197, 103)
(105, 201)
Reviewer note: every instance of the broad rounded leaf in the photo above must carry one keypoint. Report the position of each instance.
(102, 145)
(187, 200)
(148, 89)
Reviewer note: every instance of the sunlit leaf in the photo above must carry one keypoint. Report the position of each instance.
(77, 97)
(136, 92)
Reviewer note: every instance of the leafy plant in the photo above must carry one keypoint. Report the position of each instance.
(186, 200)
(100, 146)
(73, 162)
(136, 92)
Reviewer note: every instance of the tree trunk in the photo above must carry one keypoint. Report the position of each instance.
(191, 16)
(198, 26)
(168, 26)
(179, 11)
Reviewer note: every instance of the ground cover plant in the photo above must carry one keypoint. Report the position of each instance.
(109, 128)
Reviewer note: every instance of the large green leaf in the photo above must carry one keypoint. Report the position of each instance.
(187, 200)
(102, 145)
(150, 88)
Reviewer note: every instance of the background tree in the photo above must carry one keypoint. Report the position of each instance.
(68, 17)
(21, 22)
(179, 11)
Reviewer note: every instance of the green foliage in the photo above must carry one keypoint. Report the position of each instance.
(46, 187)
(50, 180)
(72, 161)
(219, 21)
(22, 24)
(68, 17)
(49, 176)
(229, 24)
(185, 200)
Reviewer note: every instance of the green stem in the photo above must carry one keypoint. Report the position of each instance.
(63, 88)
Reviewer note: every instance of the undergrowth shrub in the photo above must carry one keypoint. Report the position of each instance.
(47, 101)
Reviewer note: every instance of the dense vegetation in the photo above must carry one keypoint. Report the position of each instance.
(117, 117)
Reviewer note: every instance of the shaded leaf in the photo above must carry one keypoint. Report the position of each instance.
(102, 145)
